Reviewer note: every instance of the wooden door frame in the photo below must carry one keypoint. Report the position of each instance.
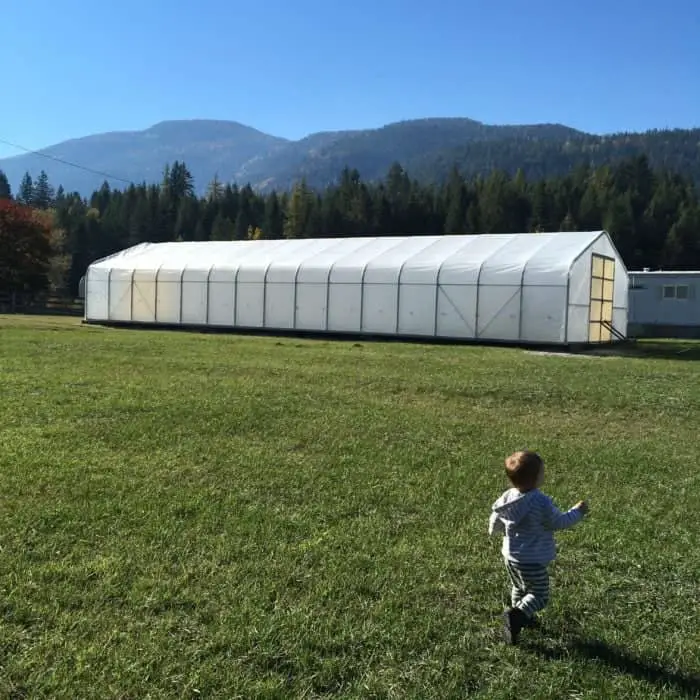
(602, 300)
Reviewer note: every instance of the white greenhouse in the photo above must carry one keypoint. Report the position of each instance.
(545, 288)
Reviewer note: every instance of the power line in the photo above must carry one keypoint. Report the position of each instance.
(66, 162)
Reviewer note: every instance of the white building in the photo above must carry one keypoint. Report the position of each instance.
(548, 288)
(664, 303)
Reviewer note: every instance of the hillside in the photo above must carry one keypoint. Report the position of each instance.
(427, 148)
(208, 147)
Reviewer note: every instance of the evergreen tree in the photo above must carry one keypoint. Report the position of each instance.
(25, 195)
(100, 199)
(186, 220)
(456, 204)
(314, 221)
(682, 248)
(381, 218)
(298, 211)
(229, 202)
(241, 225)
(589, 213)
(139, 221)
(43, 192)
(215, 190)
(223, 229)
(539, 218)
(205, 223)
(473, 217)
(273, 221)
(5, 189)
(619, 222)
(494, 203)
(178, 181)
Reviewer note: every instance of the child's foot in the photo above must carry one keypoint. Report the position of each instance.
(514, 620)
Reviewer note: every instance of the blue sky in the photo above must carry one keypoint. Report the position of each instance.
(292, 67)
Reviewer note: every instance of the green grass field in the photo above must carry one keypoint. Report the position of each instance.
(219, 516)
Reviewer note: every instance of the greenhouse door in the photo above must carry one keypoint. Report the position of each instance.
(602, 295)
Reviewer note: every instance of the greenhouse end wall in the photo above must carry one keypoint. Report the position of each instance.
(412, 287)
(580, 292)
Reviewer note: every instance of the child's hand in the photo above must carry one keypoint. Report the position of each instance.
(582, 506)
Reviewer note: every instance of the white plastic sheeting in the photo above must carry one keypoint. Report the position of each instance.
(531, 288)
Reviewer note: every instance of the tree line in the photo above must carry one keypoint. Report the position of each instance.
(48, 237)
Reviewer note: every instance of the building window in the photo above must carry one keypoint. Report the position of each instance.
(676, 291)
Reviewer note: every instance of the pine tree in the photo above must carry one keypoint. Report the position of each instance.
(177, 181)
(215, 190)
(5, 189)
(682, 247)
(539, 217)
(186, 220)
(332, 220)
(245, 216)
(298, 211)
(26, 190)
(182, 182)
(100, 199)
(618, 220)
(493, 204)
(457, 204)
(314, 221)
(230, 201)
(589, 215)
(43, 192)
(240, 226)
(201, 233)
(273, 221)
(223, 229)
(381, 221)
(139, 220)
(473, 217)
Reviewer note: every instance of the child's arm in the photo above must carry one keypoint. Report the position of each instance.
(495, 524)
(556, 520)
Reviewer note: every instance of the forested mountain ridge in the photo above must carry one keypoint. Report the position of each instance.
(49, 236)
(427, 148)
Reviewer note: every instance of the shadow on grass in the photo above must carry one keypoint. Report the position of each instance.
(620, 661)
(667, 350)
(688, 350)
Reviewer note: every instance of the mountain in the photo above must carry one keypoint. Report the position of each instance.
(427, 148)
(321, 157)
(206, 146)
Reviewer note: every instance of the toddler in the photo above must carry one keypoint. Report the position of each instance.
(527, 518)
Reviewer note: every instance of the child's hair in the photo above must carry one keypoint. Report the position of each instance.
(523, 468)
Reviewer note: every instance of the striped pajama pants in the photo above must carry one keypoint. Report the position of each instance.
(530, 591)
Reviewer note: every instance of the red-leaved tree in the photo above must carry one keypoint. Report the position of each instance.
(25, 248)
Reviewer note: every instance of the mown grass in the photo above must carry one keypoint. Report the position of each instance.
(217, 516)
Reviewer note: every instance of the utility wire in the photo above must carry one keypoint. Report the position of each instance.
(66, 162)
